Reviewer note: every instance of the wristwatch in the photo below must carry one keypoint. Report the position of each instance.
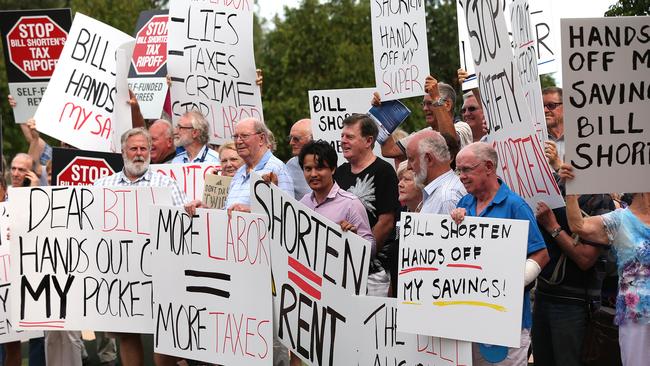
(556, 232)
(439, 103)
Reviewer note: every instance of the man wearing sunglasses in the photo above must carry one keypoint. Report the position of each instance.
(472, 114)
(554, 113)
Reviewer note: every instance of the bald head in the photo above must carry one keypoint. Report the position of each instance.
(20, 166)
(162, 141)
(299, 135)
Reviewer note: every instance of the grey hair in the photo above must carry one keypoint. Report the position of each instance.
(484, 151)
(468, 95)
(134, 132)
(201, 124)
(447, 92)
(434, 144)
(261, 128)
(403, 168)
(272, 143)
(169, 128)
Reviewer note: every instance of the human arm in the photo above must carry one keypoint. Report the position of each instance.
(382, 229)
(550, 150)
(36, 145)
(136, 115)
(442, 115)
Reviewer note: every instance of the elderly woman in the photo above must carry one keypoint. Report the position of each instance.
(230, 160)
(410, 192)
(628, 231)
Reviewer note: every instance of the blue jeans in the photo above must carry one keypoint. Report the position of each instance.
(558, 332)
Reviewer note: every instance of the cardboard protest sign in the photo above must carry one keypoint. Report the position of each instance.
(212, 275)
(380, 343)
(80, 102)
(215, 190)
(605, 64)
(399, 47)
(328, 109)
(316, 266)
(544, 34)
(8, 332)
(211, 63)
(83, 257)
(525, 51)
(33, 41)
(148, 65)
(189, 176)
(71, 167)
(522, 163)
(460, 276)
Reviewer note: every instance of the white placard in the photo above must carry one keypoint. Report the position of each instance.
(328, 109)
(399, 47)
(316, 266)
(606, 103)
(80, 103)
(467, 280)
(544, 35)
(83, 257)
(522, 163)
(211, 63)
(212, 275)
(190, 177)
(8, 331)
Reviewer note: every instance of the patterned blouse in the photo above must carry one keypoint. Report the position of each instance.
(630, 238)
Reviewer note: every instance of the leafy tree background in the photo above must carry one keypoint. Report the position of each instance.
(317, 45)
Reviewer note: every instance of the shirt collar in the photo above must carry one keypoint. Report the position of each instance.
(499, 197)
(330, 196)
(434, 184)
(145, 177)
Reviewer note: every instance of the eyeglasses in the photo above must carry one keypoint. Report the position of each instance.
(467, 170)
(551, 106)
(244, 136)
(183, 127)
(294, 138)
(470, 109)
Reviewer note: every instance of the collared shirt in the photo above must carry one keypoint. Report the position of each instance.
(508, 205)
(463, 131)
(205, 155)
(442, 194)
(559, 143)
(300, 186)
(148, 179)
(239, 190)
(341, 205)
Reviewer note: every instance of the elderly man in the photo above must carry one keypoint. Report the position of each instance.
(251, 141)
(299, 135)
(438, 106)
(162, 142)
(21, 171)
(429, 158)
(192, 133)
(554, 113)
(489, 196)
(136, 147)
(472, 114)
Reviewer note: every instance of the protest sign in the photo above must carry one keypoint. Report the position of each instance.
(473, 272)
(8, 332)
(328, 109)
(215, 190)
(522, 163)
(543, 29)
(71, 167)
(605, 67)
(79, 104)
(189, 176)
(379, 342)
(399, 47)
(82, 257)
(33, 41)
(316, 266)
(525, 50)
(211, 63)
(148, 65)
(212, 275)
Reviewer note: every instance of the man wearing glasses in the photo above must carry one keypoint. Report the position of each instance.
(554, 113)
(192, 133)
(299, 136)
(251, 141)
(472, 114)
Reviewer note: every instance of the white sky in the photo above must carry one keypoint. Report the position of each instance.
(268, 8)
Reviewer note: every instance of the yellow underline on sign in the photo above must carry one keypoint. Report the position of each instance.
(470, 303)
(411, 303)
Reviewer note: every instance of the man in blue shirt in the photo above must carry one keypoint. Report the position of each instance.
(489, 196)
(192, 133)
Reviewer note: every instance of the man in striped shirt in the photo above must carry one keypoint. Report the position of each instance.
(429, 158)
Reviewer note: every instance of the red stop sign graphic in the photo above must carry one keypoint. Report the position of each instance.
(35, 44)
(150, 52)
(83, 171)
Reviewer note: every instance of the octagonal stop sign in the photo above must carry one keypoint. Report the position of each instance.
(35, 44)
(83, 171)
(150, 52)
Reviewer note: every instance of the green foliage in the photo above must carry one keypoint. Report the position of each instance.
(628, 8)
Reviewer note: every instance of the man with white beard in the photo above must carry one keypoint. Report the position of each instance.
(136, 152)
(429, 158)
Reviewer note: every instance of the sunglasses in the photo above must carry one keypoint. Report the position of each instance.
(551, 106)
(470, 109)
